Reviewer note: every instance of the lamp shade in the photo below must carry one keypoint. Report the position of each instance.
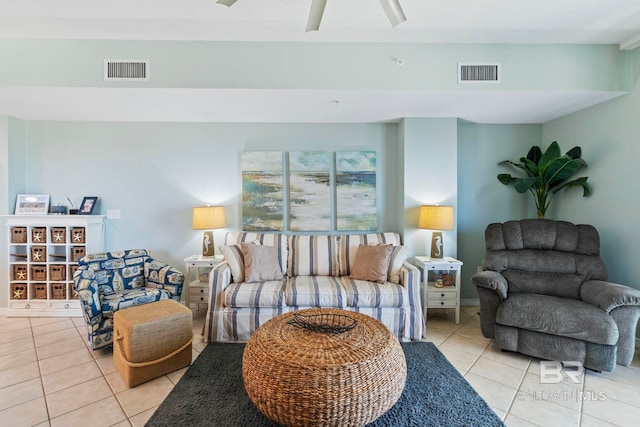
(208, 217)
(436, 217)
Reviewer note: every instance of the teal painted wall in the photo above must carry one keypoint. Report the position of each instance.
(608, 134)
(430, 177)
(481, 198)
(156, 172)
(189, 64)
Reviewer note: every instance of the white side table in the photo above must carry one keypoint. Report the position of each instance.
(447, 269)
(197, 279)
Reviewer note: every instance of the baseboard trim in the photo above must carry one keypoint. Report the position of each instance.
(470, 302)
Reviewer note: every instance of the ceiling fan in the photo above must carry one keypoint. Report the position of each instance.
(391, 7)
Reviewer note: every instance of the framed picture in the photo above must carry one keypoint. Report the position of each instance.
(87, 205)
(32, 204)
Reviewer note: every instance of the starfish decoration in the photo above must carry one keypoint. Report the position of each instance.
(36, 256)
(17, 294)
(57, 237)
(77, 237)
(21, 275)
(37, 237)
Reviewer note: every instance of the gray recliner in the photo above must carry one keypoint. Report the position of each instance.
(544, 293)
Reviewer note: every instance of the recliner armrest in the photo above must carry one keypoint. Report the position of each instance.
(491, 280)
(607, 295)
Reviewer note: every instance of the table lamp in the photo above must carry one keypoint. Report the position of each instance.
(436, 217)
(208, 218)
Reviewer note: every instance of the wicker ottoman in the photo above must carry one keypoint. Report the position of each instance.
(299, 375)
(152, 340)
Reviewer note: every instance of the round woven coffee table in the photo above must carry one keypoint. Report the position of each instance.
(297, 376)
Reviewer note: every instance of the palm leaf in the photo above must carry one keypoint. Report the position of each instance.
(561, 169)
(579, 182)
(574, 153)
(552, 153)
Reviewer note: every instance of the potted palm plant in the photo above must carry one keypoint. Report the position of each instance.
(546, 174)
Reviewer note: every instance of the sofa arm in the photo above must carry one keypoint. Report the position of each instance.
(491, 280)
(161, 275)
(219, 279)
(410, 279)
(607, 295)
(86, 284)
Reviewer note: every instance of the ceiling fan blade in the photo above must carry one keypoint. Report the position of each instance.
(227, 3)
(315, 14)
(394, 11)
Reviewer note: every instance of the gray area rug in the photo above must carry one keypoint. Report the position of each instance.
(211, 393)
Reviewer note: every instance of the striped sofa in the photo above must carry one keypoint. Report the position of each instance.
(316, 272)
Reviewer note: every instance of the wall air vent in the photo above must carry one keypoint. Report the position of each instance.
(479, 72)
(123, 70)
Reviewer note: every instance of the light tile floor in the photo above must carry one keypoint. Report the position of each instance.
(49, 377)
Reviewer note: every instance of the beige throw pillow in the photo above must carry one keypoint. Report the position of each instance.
(261, 263)
(372, 263)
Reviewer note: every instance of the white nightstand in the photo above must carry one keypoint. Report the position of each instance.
(440, 297)
(197, 287)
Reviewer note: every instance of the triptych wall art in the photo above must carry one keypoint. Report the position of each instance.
(309, 190)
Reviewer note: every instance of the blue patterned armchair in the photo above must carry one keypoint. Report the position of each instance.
(110, 281)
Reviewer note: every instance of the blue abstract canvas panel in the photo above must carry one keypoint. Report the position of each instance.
(309, 191)
(356, 191)
(262, 189)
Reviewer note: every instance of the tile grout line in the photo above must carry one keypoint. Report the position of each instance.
(41, 376)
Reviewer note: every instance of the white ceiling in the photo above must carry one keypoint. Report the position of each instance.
(428, 21)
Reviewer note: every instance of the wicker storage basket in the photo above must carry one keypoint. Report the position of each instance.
(58, 235)
(40, 291)
(151, 340)
(19, 271)
(38, 253)
(57, 272)
(38, 272)
(18, 291)
(19, 235)
(58, 291)
(301, 377)
(77, 235)
(77, 252)
(39, 235)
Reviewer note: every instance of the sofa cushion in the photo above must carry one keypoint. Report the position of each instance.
(363, 293)
(349, 243)
(372, 263)
(260, 263)
(256, 294)
(315, 291)
(131, 297)
(564, 317)
(313, 256)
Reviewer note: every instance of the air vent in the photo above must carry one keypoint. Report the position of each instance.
(478, 72)
(126, 69)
